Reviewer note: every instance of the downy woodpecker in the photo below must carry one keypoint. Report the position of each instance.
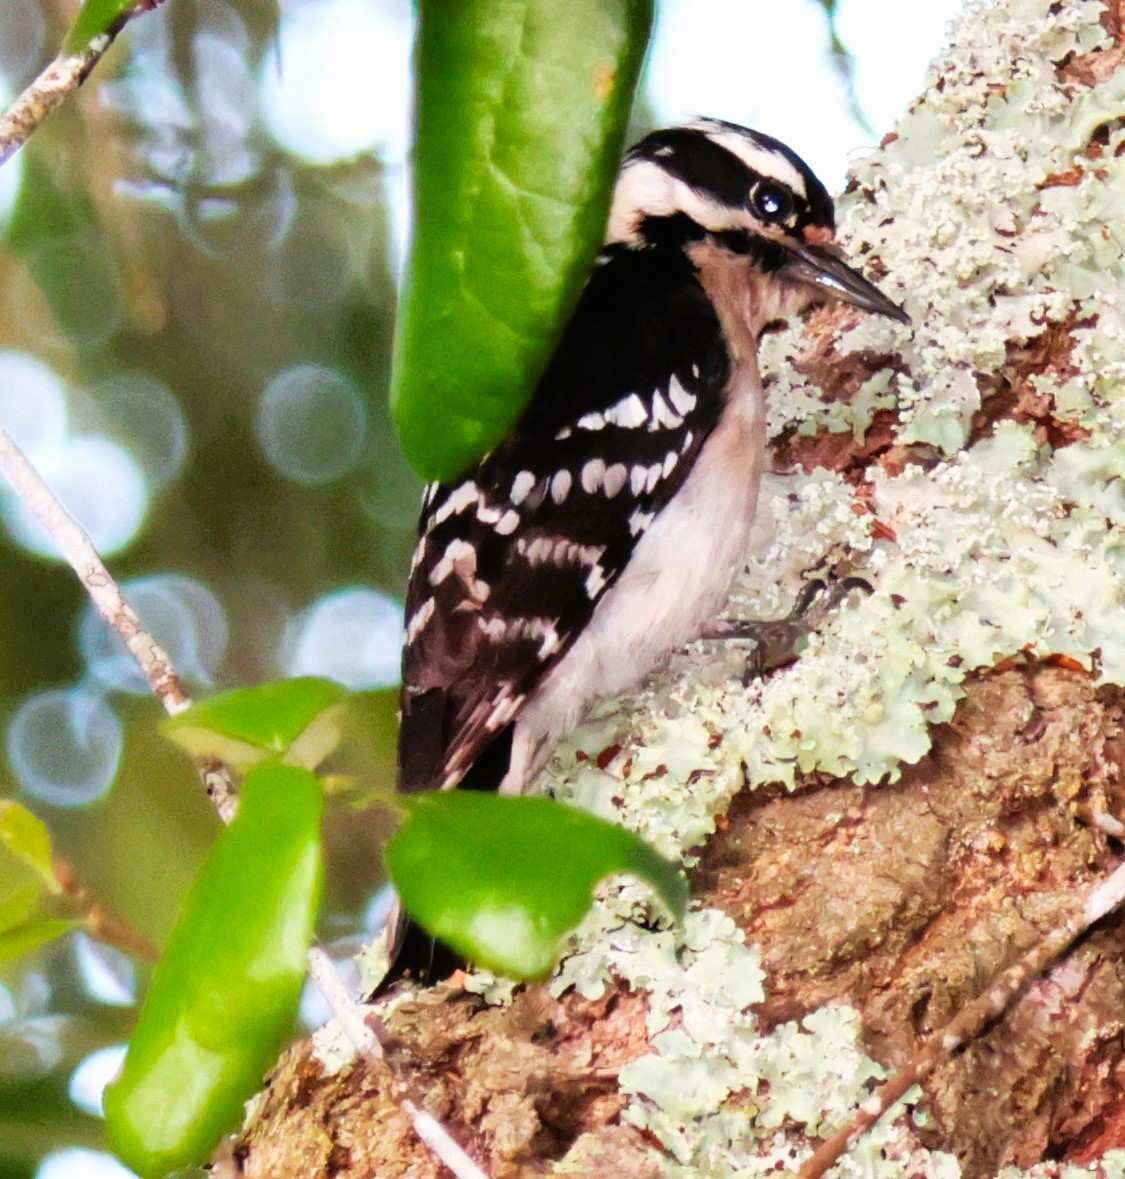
(606, 530)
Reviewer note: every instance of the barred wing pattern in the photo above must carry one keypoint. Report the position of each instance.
(513, 559)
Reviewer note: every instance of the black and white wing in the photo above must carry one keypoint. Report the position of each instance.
(513, 559)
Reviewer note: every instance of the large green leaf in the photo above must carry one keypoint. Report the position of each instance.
(502, 880)
(521, 111)
(223, 995)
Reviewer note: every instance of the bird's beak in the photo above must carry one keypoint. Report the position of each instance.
(820, 268)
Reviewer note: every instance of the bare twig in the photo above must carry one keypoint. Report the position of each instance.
(79, 552)
(1103, 898)
(61, 78)
(100, 922)
(349, 1015)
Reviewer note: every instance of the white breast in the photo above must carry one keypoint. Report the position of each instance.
(677, 579)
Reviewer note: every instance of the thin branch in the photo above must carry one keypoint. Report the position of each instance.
(100, 922)
(1103, 898)
(78, 550)
(350, 1016)
(60, 79)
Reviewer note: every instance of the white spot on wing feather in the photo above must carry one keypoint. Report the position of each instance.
(560, 486)
(592, 475)
(460, 558)
(419, 619)
(522, 486)
(629, 412)
(508, 523)
(457, 501)
(662, 415)
(615, 479)
(683, 401)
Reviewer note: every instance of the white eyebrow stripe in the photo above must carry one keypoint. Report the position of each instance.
(644, 186)
(761, 159)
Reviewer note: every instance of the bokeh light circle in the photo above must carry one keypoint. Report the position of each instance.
(337, 80)
(64, 746)
(33, 405)
(353, 636)
(311, 423)
(79, 1162)
(98, 482)
(88, 1081)
(143, 414)
(184, 617)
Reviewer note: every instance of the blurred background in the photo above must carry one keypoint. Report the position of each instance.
(197, 288)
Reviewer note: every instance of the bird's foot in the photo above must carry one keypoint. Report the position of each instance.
(777, 641)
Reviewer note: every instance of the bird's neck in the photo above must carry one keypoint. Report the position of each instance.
(745, 299)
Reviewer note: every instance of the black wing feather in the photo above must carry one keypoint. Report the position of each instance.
(496, 598)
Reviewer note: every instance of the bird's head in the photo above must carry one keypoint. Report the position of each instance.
(748, 212)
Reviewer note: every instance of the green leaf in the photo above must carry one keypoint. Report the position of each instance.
(520, 114)
(26, 837)
(97, 17)
(297, 719)
(26, 874)
(24, 938)
(18, 903)
(223, 995)
(503, 880)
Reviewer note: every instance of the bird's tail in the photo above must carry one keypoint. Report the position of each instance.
(414, 954)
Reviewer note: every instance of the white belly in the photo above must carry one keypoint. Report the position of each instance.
(677, 579)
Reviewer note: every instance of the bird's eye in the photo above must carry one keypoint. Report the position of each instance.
(772, 202)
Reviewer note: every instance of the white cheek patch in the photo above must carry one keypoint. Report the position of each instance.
(645, 189)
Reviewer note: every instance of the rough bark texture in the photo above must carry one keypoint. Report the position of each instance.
(905, 900)
(517, 1086)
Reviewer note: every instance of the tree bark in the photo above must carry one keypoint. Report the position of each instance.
(904, 812)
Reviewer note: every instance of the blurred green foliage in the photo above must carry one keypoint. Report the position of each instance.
(110, 265)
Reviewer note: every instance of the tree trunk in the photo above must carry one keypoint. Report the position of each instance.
(893, 819)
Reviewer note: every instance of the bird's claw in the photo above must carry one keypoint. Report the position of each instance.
(776, 640)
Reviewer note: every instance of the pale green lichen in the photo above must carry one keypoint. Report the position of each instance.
(992, 224)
